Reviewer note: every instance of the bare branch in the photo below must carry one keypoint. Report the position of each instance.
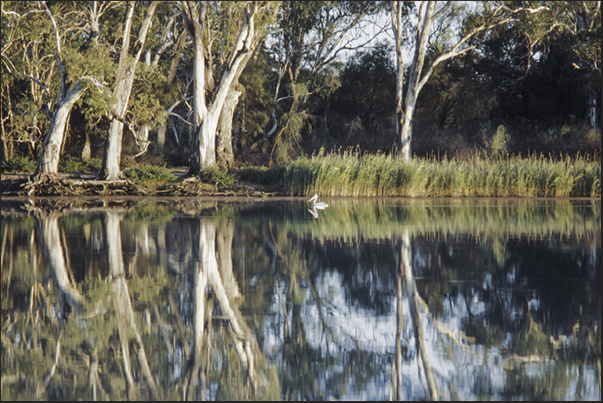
(58, 54)
(455, 51)
(181, 118)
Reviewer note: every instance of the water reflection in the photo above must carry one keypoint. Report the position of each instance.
(387, 299)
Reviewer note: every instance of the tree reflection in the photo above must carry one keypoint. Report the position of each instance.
(118, 305)
(126, 322)
(411, 290)
(207, 300)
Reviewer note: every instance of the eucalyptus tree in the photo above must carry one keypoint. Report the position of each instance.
(174, 40)
(123, 87)
(153, 90)
(308, 47)
(429, 16)
(28, 71)
(57, 61)
(224, 37)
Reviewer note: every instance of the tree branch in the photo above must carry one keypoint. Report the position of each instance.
(455, 49)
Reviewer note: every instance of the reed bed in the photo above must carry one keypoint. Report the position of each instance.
(350, 174)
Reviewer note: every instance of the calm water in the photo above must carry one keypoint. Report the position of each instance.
(370, 299)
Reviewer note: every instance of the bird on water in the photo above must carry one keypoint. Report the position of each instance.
(316, 204)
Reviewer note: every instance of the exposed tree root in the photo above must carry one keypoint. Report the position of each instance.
(62, 185)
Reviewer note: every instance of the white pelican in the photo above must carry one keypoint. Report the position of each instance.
(316, 204)
(314, 213)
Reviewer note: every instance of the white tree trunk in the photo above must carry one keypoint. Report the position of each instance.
(397, 26)
(417, 78)
(207, 116)
(204, 260)
(112, 169)
(124, 311)
(424, 25)
(194, 18)
(225, 152)
(48, 163)
(405, 132)
(125, 78)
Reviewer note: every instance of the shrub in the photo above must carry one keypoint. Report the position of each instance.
(19, 164)
(69, 164)
(149, 176)
(221, 176)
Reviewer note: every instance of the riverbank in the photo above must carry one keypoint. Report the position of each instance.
(345, 174)
(20, 184)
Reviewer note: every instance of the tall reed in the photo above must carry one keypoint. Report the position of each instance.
(350, 173)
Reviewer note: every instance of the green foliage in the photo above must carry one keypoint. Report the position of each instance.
(19, 164)
(218, 175)
(94, 61)
(259, 80)
(149, 176)
(288, 141)
(541, 105)
(69, 164)
(150, 100)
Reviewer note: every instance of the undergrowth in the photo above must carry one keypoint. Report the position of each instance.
(19, 164)
(69, 164)
(217, 175)
(149, 176)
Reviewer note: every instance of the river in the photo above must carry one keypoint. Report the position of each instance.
(236, 299)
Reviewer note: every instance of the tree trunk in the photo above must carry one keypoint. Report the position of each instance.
(224, 238)
(142, 139)
(194, 18)
(125, 78)
(207, 116)
(592, 112)
(397, 25)
(48, 164)
(161, 137)
(225, 152)
(120, 297)
(6, 154)
(405, 130)
(111, 162)
(204, 260)
(170, 80)
(87, 150)
(397, 364)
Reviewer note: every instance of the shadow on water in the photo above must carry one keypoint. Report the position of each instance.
(367, 299)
